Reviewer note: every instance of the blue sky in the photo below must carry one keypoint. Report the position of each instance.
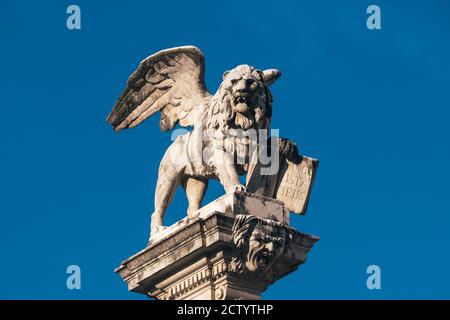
(373, 106)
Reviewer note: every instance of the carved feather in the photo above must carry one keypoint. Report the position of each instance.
(170, 81)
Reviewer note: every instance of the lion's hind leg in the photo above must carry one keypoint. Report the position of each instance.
(168, 181)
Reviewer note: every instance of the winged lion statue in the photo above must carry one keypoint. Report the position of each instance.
(172, 83)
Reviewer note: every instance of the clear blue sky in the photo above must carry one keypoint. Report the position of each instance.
(373, 106)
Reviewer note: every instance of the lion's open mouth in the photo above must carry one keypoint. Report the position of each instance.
(241, 104)
(240, 99)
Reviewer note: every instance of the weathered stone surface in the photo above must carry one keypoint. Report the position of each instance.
(217, 256)
(237, 202)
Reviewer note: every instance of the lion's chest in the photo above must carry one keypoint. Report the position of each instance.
(236, 144)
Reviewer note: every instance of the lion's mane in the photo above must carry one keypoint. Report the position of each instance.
(220, 121)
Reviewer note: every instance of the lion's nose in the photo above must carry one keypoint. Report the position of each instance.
(244, 85)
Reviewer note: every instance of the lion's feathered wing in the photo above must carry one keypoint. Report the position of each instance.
(170, 81)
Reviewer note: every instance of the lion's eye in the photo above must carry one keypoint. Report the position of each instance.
(259, 238)
(234, 81)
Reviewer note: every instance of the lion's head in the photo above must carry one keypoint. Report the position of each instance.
(243, 100)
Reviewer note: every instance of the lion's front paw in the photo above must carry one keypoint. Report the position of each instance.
(288, 149)
(155, 232)
(158, 229)
(240, 188)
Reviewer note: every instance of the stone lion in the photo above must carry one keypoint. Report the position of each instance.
(172, 82)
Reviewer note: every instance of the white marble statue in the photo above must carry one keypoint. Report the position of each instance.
(172, 82)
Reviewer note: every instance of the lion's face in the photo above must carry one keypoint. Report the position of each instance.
(243, 100)
(248, 96)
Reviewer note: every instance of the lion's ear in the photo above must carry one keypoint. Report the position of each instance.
(270, 76)
(225, 74)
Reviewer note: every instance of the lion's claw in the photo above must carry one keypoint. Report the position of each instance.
(288, 149)
(241, 188)
(155, 231)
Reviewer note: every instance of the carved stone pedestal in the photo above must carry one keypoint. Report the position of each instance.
(234, 248)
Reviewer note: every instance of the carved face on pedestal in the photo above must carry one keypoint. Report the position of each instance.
(260, 243)
(266, 244)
